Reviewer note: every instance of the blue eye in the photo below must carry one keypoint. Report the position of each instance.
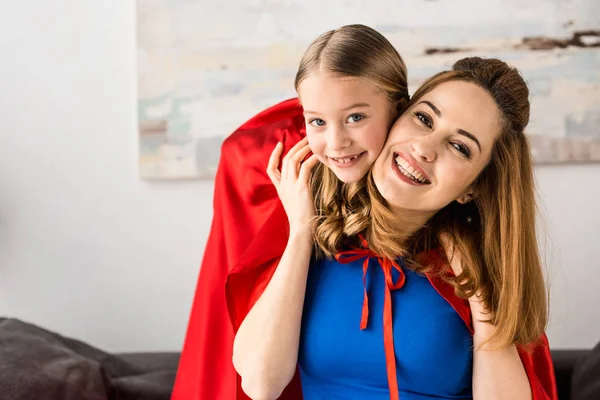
(355, 118)
(317, 122)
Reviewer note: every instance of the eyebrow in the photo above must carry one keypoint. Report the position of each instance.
(459, 131)
(355, 105)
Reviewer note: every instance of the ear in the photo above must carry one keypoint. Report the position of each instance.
(465, 198)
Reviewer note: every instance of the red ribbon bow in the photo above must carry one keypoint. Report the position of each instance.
(349, 256)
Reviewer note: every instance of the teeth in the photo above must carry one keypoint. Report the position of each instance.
(345, 160)
(408, 171)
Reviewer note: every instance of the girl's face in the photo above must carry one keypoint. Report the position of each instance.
(437, 148)
(347, 122)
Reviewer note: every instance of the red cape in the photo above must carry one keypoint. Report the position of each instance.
(238, 264)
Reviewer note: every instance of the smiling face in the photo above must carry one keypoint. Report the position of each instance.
(347, 122)
(436, 149)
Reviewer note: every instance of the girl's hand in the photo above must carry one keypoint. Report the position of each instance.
(292, 183)
(453, 256)
(478, 309)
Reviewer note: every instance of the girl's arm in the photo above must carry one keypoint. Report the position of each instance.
(497, 373)
(265, 349)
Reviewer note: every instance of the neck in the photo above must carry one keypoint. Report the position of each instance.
(410, 221)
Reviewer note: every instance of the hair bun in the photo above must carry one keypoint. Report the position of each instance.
(504, 83)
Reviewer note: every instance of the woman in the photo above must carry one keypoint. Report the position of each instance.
(456, 168)
(362, 100)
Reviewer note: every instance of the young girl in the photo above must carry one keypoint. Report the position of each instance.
(456, 169)
(353, 106)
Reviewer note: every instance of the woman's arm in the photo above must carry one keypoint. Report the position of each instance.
(265, 349)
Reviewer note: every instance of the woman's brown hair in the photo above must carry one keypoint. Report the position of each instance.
(495, 233)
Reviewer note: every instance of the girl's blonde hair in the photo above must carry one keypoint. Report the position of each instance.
(360, 52)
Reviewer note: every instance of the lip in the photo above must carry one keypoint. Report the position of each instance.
(347, 164)
(402, 177)
(412, 164)
(411, 161)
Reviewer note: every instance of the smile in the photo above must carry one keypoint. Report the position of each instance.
(345, 162)
(407, 171)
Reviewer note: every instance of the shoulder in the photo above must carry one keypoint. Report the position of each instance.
(245, 153)
(282, 122)
(435, 262)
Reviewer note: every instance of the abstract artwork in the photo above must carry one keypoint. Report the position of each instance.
(204, 67)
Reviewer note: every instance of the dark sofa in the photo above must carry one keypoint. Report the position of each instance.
(564, 364)
(39, 364)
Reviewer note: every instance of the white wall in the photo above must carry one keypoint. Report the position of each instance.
(86, 248)
(89, 250)
(570, 203)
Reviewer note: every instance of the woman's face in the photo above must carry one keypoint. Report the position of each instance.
(437, 148)
(347, 122)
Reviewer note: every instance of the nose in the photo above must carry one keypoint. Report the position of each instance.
(338, 138)
(425, 148)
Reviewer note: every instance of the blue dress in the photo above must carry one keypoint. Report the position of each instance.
(338, 360)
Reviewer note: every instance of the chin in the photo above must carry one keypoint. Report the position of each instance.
(349, 176)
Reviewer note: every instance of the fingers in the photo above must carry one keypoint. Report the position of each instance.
(291, 163)
(290, 154)
(296, 162)
(445, 240)
(447, 244)
(453, 257)
(307, 167)
(298, 146)
(273, 165)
